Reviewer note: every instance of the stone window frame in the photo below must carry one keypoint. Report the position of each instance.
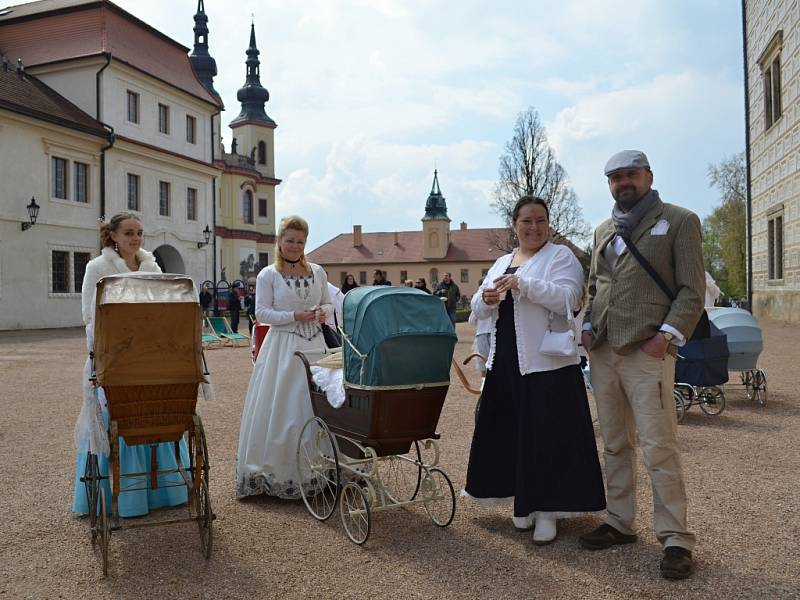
(770, 64)
(776, 228)
(163, 118)
(191, 216)
(191, 129)
(464, 275)
(133, 107)
(71, 250)
(164, 185)
(72, 155)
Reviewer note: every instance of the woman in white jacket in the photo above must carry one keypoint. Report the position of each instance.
(533, 443)
(121, 239)
(292, 298)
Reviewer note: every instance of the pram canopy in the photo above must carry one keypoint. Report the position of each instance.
(147, 330)
(703, 362)
(399, 337)
(745, 341)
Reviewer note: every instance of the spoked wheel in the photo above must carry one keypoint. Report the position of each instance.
(205, 518)
(760, 387)
(400, 476)
(680, 404)
(91, 483)
(438, 496)
(712, 400)
(354, 511)
(318, 468)
(103, 529)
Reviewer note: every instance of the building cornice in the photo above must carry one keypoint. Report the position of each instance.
(50, 119)
(244, 234)
(253, 175)
(236, 124)
(209, 168)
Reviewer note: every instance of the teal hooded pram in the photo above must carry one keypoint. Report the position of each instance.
(397, 348)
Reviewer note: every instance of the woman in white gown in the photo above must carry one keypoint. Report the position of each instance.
(292, 298)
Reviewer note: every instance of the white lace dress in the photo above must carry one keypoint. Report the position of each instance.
(278, 404)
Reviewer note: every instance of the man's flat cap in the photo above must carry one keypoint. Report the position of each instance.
(627, 159)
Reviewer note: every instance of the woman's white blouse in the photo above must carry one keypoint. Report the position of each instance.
(276, 302)
(549, 281)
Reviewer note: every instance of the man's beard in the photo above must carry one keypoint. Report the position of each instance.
(627, 198)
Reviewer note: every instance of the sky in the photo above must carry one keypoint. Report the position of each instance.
(371, 95)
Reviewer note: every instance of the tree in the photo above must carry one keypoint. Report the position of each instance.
(529, 167)
(725, 229)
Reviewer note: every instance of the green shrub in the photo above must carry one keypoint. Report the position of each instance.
(462, 314)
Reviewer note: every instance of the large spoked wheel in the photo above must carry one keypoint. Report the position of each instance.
(318, 468)
(354, 511)
(205, 519)
(104, 529)
(402, 474)
(712, 400)
(91, 483)
(680, 404)
(438, 496)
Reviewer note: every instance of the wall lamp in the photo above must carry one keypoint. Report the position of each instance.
(206, 237)
(33, 212)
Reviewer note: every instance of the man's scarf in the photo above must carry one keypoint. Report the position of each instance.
(626, 222)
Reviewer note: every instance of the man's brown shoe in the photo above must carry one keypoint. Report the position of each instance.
(604, 537)
(677, 563)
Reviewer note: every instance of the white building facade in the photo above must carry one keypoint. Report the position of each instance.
(772, 55)
(151, 153)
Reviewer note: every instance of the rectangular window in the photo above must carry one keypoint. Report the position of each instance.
(342, 277)
(770, 63)
(163, 198)
(133, 107)
(263, 259)
(163, 118)
(362, 277)
(79, 261)
(775, 247)
(403, 276)
(464, 275)
(262, 207)
(60, 272)
(133, 192)
(191, 129)
(59, 178)
(191, 204)
(81, 182)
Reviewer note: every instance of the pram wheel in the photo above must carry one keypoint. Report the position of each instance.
(205, 519)
(318, 469)
(91, 483)
(438, 496)
(680, 404)
(104, 530)
(354, 511)
(402, 474)
(712, 400)
(759, 387)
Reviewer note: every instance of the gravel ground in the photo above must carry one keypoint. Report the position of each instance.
(741, 473)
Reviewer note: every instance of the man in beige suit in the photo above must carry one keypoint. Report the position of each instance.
(632, 330)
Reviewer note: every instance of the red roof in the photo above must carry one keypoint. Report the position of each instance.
(466, 245)
(23, 93)
(56, 30)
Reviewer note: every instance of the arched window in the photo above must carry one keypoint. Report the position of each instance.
(434, 276)
(247, 207)
(262, 153)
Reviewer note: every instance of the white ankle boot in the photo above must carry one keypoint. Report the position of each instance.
(545, 531)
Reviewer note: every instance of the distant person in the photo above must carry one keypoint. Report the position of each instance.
(421, 284)
(235, 306)
(205, 300)
(250, 307)
(379, 278)
(712, 290)
(408, 283)
(349, 283)
(448, 290)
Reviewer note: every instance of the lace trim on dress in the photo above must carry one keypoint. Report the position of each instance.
(266, 483)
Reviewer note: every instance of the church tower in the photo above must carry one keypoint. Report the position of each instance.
(253, 130)
(435, 223)
(203, 63)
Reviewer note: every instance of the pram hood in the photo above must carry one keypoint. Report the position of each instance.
(147, 330)
(745, 340)
(403, 335)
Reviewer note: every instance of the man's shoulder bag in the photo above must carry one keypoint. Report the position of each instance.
(703, 329)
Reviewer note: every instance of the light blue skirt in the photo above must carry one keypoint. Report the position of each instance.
(134, 459)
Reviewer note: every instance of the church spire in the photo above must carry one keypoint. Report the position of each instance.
(204, 65)
(253, 95)
(435, 206)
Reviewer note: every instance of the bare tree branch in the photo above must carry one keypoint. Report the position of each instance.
(529, 167)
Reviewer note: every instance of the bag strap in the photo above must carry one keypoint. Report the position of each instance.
(649, 268)
(569, 314)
